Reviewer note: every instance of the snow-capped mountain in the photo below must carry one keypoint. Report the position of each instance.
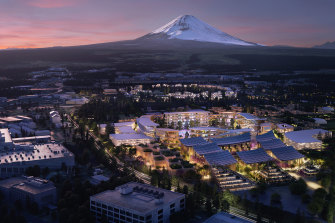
(188, 27)
(327, 45)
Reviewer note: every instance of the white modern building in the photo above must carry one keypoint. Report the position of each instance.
(136, 202)
(121, 126)
(306, 139)
(130, 139)
(146, 126)
(190, 118)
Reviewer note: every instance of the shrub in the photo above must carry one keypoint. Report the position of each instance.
(306, 198)
(186, 164)
(167, 153)
(175, 166)
(298, 187)
(158, 158)
(174, 160)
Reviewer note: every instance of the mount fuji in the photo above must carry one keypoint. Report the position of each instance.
(188, 27)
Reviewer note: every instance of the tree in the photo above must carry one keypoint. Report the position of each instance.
(298, 187)
(109, 129)
(179, 125)
(209, 206)
(225, 205)
(185, 189)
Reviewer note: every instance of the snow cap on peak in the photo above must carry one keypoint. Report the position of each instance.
(188, 27)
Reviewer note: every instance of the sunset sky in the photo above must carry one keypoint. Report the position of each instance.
(45, 23)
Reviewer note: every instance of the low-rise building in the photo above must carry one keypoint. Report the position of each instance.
(146, 126)
(168, 136)
(136, 202)
(130, 139)
(121, 125)
(283, 128)
(15, 162)
(190, 118)
(306, 139)
(31, 189)
(206, 132)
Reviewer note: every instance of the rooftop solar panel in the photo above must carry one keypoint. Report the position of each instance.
(287, 153)
(232, 140)
(254, 156)
(271, 144)
(193, 141)
(266, 137)
(222, 157)
(206, 148)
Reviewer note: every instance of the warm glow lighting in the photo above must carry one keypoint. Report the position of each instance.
(207, 177)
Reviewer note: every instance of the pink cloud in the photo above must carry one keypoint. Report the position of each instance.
(52, 3)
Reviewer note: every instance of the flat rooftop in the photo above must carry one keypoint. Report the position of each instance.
(224, 217)
(127, 130)
(34, 152)
(120, 124)
(129, 136)
(190, 111)
(32, 185)
(167, 130)
(139, 201)
(5, 136)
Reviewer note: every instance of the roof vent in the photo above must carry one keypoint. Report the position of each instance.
(126, 190)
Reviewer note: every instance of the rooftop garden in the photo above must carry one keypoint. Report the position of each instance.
(174, 160)
(175, 166)
(186, 164)
(159, 158)
(167, 153)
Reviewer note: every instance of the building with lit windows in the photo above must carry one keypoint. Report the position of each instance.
(190, 118)
(168, 136)
(137, 203)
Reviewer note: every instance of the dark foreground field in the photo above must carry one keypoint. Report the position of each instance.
(172, 56)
